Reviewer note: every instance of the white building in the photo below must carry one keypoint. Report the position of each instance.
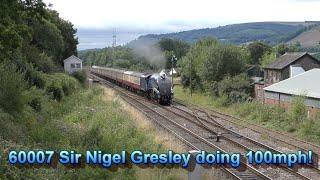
(72, 64)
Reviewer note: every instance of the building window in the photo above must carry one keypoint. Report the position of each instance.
(78, 65)
(72, 65)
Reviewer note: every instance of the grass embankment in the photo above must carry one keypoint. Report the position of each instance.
(80, 121)
(293, 121)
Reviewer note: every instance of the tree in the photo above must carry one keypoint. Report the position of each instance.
(222, 60)
(209, 61)
(28, 24)
(31, 40)
(283, 48)
(235, 89)
(172, 47)
(12, 98)
(257, 49)
(268, 58)
(47, 37)
(68, 32)
(178, 47)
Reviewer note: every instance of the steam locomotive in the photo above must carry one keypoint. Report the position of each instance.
(153, 86)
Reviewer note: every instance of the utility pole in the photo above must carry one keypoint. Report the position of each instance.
(173, 58)
(114, 43)
(114, 38)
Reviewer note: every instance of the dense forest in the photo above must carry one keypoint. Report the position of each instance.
(269, 32)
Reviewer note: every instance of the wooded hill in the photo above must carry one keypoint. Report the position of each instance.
(269, 32)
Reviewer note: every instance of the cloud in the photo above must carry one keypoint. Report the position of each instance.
(178, 15)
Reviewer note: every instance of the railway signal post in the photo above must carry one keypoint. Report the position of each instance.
(173, 59)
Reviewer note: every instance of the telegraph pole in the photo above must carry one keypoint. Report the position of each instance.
(173, 58)
(114, 38)
(114, 43)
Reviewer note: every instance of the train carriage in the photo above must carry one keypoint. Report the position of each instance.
(135, 80)
(154, 86)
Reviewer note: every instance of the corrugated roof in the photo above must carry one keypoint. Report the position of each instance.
(306, 84)
(285, 60)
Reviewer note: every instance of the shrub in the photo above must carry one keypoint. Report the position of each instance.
(12, 98)
(35, 78)
(298, 111)
(93, 136)
(69, 85)
(236, 89)
(259, 112)
(55, 90)
(35, 98)
(58, 85)
(36, 104)
(81, 76)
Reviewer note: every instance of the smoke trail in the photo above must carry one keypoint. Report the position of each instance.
(150, 51)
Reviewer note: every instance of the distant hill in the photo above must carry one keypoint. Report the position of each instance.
(310, 38)
(270, 32)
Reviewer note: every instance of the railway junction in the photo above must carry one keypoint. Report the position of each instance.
(203, 130)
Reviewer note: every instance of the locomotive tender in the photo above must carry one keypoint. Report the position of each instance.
(153, 86)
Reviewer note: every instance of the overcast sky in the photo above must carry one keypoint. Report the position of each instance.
(177, 15)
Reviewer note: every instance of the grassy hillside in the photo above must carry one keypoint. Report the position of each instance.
(270, 32)
(82, 121)
(309, 38)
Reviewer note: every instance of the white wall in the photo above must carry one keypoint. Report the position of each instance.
(69, 62)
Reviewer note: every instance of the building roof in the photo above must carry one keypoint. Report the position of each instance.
(72, 57)
(287, 59)
(306, 84)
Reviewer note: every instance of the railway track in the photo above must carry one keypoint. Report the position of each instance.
(278, 138)
(245, 143)
(284, 138)
(192, 131)
(190, 138)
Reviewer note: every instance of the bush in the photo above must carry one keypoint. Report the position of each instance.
(35, 78)
(12, 98)
(36, 104)
(298, 111)
(69, 85)
(58, 85)
(35, 98)
(55, 90)
(81, 76)
(93, 136)
(258, 112)
(235, 89)
(210, 61)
